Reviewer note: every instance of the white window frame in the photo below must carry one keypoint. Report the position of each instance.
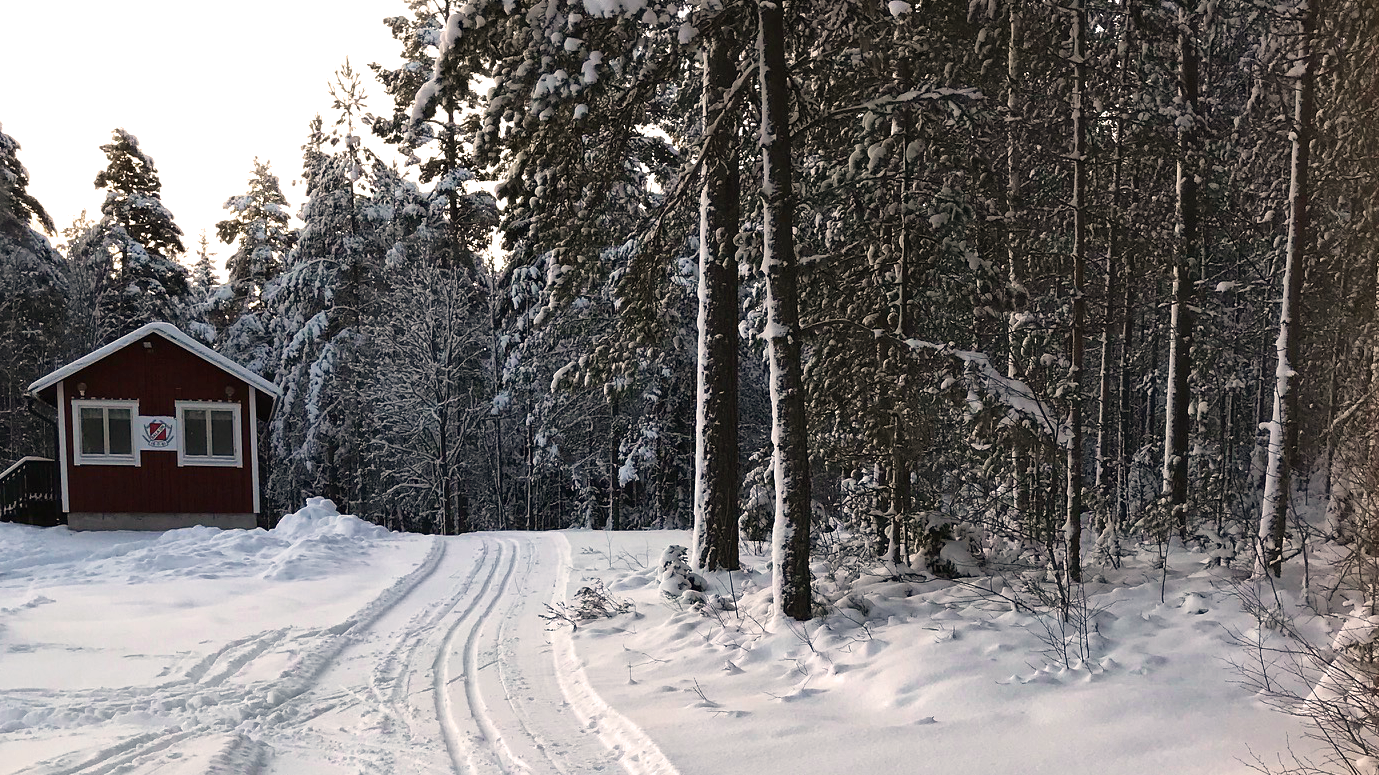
(183, 459)
(81, 459)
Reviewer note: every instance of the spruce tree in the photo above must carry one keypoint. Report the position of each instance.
(259, 229)
(148, 283)
(260, 223)
(204, 286)
(203, 279)
(323, 305)
(33, 290)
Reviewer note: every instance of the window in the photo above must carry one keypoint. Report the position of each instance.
(103, 433)
(209, 434)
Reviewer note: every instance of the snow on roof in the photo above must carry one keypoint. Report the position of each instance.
(171, 333)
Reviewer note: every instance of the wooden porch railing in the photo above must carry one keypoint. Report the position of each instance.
(29, 493)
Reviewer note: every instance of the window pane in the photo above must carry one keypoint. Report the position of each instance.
(194, 431)
(92, 431)
(121, 432)
(222, 434)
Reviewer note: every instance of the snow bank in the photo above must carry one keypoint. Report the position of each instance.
(319, 519)
(312, 542)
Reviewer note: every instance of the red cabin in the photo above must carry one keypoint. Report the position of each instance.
(156, 431)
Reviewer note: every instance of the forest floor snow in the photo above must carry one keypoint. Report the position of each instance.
(333, 646)
(938, 676)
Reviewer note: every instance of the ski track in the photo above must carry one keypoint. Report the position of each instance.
(465, 744)
(506, 695)
(640, 755)
(213, 704)
(531, 703)
(390, 680)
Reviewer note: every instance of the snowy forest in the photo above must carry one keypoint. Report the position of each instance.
(951, 284)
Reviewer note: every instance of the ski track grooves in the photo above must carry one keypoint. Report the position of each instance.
(640, 755)
(394, 669)
(464, 746)
(535, 711)
(508, 696)
(242, 755)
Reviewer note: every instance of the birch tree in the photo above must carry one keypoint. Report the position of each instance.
(1283, 428)
(1177, 396)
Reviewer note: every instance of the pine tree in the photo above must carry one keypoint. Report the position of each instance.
(260, 230)
(147, 282)
(791, 582)
(17, 205)
(33, 291)
(203, 279)
(323, 305)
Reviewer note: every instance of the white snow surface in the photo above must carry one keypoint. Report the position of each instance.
(329, 645)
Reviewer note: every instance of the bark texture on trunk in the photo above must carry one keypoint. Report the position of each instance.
(1283, 429)
(790, 582)
(1072, 527)
(1111, 434)
(1178, 395)
(1018, 456)
(716, 481)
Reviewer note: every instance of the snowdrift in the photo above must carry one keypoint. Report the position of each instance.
(309, 543)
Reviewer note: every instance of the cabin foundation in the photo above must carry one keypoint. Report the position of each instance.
(86, 520)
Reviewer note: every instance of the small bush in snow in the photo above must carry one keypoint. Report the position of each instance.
(591, 602)
(676, 577)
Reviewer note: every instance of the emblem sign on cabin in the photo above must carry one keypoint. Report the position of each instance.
(157, 434)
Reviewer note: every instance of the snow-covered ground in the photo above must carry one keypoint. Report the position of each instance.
(332, 646)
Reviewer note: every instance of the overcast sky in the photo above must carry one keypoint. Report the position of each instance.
(205, 87)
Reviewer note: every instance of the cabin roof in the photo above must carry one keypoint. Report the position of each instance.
(171, 333)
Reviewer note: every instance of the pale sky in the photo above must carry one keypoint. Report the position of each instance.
(205, 87)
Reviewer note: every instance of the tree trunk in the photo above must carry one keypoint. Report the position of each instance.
(900, 492)
(1283, 429)
(900, 466)
(716, 479)
(530, 519)
(1111, 434)
(614, 488)
(1178, 396)
(1072, 528)
(1126, 439)
(1335, 506)
(1018, 455)
(443, 463)
(496, 342)
(790, 581)
(452, 195)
